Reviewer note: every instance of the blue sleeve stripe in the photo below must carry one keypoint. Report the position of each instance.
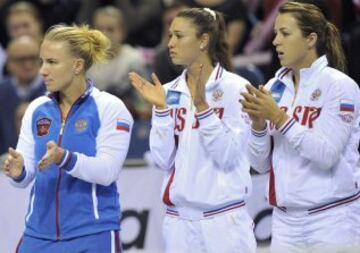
(21, 177)
(287, 126)
(70, 162)
(205, 114)
(64, 158)
(259, 133)
(162, 113)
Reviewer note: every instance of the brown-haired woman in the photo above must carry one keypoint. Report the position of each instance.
(198, 137)
(305, 131)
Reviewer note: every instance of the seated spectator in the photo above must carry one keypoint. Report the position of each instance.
(23, 19)
(113, 75)
(23, 84)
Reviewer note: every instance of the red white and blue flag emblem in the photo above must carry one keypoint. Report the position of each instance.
(122, 125)
(346, 107)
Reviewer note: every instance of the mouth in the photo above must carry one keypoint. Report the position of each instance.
(280, 54)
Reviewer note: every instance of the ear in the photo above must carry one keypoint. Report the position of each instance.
(312, 39)
(204, 41)
(79, 66)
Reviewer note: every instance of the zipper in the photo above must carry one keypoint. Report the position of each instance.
(57, 196)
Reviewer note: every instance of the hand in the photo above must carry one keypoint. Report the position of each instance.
(154, 94)
(249, 106)
(260, 105)
(200, 96)
(53, 155)
(14, 164)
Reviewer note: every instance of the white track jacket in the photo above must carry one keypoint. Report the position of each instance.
(314, 154)
(203, 154)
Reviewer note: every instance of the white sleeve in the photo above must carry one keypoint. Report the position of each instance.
(224, 138)
(332, 128)
(259, 150)
(259, 145)
(26, 146)
(113, 141)
(162, 139)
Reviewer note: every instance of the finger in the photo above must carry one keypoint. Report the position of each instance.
(42, 164)
(50, 145)
(248, 105)
(13, 153)
(251, 112)
(252, 90)
(250, 98)
(156, 80)
(263, 90)
(200, 75)
(136, 79)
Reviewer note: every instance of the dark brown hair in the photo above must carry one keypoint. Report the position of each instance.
(311, 20)
(212, 23)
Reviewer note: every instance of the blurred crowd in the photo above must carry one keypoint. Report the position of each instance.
(138, 33)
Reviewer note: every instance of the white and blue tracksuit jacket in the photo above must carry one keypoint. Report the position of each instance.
(78, 197)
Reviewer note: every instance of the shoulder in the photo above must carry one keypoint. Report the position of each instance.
(336, 78)
(172, 84)
(232, 81)
(37, 104)
(108, 103)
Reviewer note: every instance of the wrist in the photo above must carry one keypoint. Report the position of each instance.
(279, 119)
(161, 107)
(258, 125)
(202, 107)
(59, 155)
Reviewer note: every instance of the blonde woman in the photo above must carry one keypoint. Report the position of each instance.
(73, 142)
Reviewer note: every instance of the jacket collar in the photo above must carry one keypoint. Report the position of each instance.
(306, 74)
(89, 87)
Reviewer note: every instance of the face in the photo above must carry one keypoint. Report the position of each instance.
(110, 26)
(23, 24)
(292, 47)
(23, 60)
(58, 65)
(184, 45)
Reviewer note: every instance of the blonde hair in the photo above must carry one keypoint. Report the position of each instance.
(91, 45)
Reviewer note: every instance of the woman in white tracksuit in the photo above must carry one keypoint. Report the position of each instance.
(198, 137)
(304, 131)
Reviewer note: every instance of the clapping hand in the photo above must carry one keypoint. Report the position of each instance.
(199, 97)
(260, 106)
(153, 93)
(13, 164)
(53, 155)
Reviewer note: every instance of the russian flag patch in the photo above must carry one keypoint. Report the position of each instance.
(122, 125)
(346, 107)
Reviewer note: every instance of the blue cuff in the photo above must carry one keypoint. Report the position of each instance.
(21, 177)
(68, 162)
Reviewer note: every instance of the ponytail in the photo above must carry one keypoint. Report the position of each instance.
(221, 52)
(333, 48)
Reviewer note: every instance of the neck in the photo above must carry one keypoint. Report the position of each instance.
(73, 91)
(306, 62)
(193, 72)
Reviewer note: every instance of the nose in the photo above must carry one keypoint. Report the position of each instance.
(170, 43)
(43, 70)
(275, 41)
